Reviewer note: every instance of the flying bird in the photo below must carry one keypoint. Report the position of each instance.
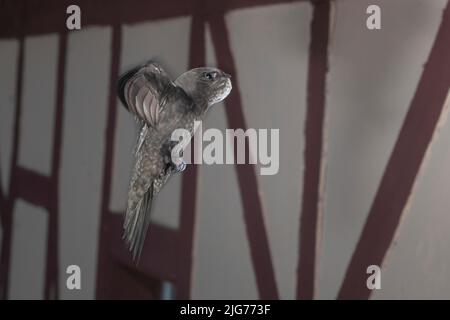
(161, 106)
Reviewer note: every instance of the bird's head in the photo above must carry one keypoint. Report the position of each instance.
(210, 85)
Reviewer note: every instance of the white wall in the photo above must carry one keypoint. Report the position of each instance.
(371, 80)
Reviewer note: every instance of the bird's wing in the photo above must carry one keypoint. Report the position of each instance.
(144, 90)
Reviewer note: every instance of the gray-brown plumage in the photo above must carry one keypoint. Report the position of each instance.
(161, 106)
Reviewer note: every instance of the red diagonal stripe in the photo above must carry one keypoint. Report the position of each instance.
(403, 166)
(253, 215)
(32, 187)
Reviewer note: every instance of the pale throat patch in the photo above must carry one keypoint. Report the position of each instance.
(222, 94)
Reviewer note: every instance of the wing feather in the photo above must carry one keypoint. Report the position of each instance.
(138, 104)
(142, 90)
(147, 106)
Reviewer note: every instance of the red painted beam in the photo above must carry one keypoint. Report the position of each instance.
(189, 187)
(104, 275)
(404, 164)
(248, 185)
(13, 183)
(2, 201)
(156, 261)
(32, 187)
(317, 71)
(52, 267)
(131, 283)
(35, 188)
(38, 17)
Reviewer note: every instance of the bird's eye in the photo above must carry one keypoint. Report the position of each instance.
(210, 75)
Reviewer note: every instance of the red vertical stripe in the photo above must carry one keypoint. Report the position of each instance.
(190, 177)
(7, 210)
(104, 270)
(317, 71)
(51, 273)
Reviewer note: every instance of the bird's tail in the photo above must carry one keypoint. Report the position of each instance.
(136, 223)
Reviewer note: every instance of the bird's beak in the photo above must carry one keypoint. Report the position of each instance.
(226, 75)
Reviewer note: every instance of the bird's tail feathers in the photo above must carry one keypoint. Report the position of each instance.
(137, 221)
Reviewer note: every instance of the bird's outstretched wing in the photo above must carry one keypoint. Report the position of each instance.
(144, 90)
